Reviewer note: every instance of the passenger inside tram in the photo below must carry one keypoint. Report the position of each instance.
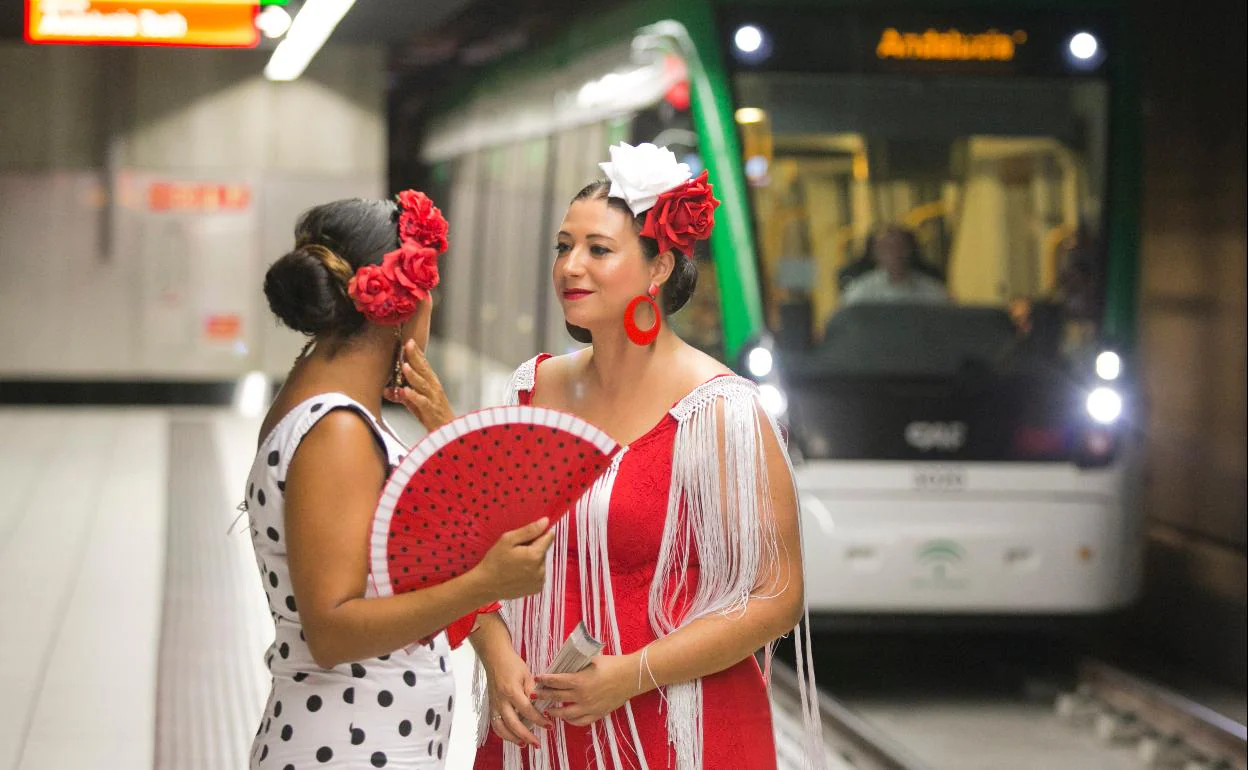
(893, 272)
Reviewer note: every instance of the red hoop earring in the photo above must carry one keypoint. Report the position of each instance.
(638, 336)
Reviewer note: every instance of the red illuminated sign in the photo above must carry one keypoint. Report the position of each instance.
(197, 23)
(198, 196)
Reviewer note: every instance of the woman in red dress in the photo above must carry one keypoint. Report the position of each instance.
(685, 556)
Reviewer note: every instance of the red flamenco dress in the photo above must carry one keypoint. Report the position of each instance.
(627, 544)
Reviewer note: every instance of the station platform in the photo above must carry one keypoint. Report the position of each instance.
(134, 621)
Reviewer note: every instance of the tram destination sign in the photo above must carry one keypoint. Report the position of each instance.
(176, 23)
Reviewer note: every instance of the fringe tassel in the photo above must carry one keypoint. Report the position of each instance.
(717, 507)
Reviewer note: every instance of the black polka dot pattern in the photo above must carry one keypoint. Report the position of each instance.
(359, 714)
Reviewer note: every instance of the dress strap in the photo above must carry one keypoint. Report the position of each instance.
(281, 449)
(523, 381)
(728, 386)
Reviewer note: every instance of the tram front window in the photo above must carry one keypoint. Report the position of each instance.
(907, 225)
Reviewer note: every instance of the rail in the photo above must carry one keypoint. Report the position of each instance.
(1213, 737)
(857, 742)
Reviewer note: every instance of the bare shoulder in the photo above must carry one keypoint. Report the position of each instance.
(340, 444)
(555, 372)
(697, 367)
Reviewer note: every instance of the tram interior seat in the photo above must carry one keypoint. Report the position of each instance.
(912, 340)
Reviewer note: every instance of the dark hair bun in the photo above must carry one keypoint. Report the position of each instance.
(305, 295)
(680, 284)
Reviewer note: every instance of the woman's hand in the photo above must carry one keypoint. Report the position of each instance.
(515, 566)
(423, 396)
(511, 689)
(590, 694)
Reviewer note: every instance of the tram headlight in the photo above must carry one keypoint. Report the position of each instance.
(1084, 45)
(748, 39)
(1109, 366)
(1104, 405)
(1084, 51)
(751, 44)
(760, 362)
(773, 399)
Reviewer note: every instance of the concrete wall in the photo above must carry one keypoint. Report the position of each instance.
(99, 277)
(1192, 303)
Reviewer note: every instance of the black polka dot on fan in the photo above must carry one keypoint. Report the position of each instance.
(357, 671)
(357, 736)
(378, 759)
(314, 703)
(274, 458)
(324, 754)
(348, 695)
(405, 728)
(385, 698)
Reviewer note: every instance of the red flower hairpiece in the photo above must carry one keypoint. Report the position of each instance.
(387, 294)
(682, 216)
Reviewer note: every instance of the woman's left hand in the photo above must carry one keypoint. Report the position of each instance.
(590, 694)
(423, 396)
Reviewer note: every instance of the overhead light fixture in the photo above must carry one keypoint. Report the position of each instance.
(273, 21)
(312, 26)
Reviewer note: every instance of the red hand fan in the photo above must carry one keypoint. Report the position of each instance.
(473, 479)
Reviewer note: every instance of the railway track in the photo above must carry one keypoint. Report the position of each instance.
(1108, 720)
(1167, 730)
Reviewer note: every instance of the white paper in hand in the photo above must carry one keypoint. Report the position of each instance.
(575, 654)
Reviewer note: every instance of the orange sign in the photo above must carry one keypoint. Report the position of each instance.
(223, 328)
(198, 196)
(950, 45)
(198, 23)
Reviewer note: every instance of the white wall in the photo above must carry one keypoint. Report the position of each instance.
(95, 283)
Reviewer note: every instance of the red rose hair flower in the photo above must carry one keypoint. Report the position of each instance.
(387, 294)
(682, 216)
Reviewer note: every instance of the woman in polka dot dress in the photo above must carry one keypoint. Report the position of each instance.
(358, 681)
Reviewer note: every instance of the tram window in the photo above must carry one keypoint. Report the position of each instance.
(969, 192)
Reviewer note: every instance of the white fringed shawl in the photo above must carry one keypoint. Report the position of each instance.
(718, 507)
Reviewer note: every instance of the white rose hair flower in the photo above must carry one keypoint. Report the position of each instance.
(640, 174)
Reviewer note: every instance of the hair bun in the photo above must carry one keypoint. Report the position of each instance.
(305, 293)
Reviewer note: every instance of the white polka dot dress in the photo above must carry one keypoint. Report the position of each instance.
(391, 712)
